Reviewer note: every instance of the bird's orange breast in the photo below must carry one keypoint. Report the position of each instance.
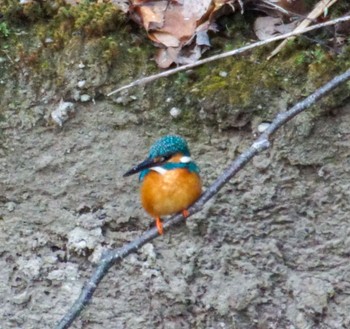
(171, 192)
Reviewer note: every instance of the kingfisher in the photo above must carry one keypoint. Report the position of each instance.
(169, 178)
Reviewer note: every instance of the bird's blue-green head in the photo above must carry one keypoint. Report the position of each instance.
(161, 151)
(168, 145)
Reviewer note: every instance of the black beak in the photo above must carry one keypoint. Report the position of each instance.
(148, 163)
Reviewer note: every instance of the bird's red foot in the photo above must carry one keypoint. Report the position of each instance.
(159, 225)
(185, 213)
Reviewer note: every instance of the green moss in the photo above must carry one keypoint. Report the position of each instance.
(96, 35)
(234, 83)
(30, 12)
(51, 26)
(89, 18)
(93, 19)
(4, 30)
(110, 50)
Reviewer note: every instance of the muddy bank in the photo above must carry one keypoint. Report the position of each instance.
(269, 251)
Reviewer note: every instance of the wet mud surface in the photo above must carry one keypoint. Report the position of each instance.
(271, 250)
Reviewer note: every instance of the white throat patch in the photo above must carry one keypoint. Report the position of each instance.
(159, 170)
(162, 171)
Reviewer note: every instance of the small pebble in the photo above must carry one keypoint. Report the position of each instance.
(120, 100)
(62, 113)
(81, 83)
(10, 206)
(263, 126)
(85, 98)
(175, 112)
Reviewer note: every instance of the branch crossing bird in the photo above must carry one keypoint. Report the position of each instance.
(169, 178)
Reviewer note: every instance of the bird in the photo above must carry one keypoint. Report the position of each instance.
(169, 178)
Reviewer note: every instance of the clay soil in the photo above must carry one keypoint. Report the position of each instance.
(270, 251)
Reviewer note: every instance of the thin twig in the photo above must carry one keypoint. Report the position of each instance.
(316, 12)
(8, 56)
(112, 257)
(227, 54)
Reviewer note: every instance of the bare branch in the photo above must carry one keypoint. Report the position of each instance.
(186, 67)
(112, 257)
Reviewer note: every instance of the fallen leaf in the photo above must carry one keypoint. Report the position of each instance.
(265, 27)
(179, 27)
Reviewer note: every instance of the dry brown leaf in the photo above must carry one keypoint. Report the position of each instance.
(177, 25)
(190, 54)
(165, 57)
(286, 28)
(267, 27)
(152, 14)
(195, 9)
(165, 38)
